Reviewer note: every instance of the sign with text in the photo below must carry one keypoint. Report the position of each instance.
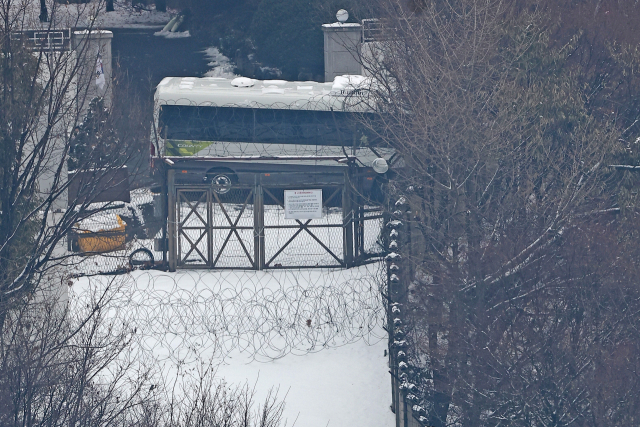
(302, 204)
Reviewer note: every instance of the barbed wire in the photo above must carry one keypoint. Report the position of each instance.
(194, 316)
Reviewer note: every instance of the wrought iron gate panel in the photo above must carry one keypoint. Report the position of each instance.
(303, 243)
(232, 229)
(193, 218)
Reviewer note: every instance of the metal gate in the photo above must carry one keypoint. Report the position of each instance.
(304, 243)
(215, 230)
(193, 218)
(246, 228)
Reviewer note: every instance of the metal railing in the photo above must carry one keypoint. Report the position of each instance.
(371, 30)
(45, 40)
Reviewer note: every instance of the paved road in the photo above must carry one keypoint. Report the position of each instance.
(148, 58)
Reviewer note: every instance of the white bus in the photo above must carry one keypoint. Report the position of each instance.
(248, 124)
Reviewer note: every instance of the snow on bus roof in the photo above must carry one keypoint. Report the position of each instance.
(251, 93)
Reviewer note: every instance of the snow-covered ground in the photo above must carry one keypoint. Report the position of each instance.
(173, 35)
(220, 65)
(345, 386)
(127, 16)
(93, 14)
(315, 334)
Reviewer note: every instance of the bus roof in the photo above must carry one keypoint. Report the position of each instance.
(250, 93)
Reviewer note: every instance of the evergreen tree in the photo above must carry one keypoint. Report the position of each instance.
(93, 143)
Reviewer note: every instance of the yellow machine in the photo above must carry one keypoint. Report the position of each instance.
(103, 240)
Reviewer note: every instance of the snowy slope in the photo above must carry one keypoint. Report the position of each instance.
(344, 386)
(315, 334)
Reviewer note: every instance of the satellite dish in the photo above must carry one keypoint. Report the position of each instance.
(342, 15)
(380, 165)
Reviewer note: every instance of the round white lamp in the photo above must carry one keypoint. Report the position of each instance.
(342, 16)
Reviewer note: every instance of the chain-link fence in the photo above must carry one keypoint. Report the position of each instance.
(303, 242)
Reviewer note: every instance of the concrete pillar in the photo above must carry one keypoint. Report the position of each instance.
(341, 49)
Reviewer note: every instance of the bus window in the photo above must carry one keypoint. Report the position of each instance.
(261, 125)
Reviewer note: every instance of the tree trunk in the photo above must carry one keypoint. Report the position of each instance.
(44, 14)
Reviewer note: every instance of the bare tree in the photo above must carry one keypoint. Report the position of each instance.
(505, 169)
(67, 368)
(161, 5)
(61, 363)
(44, 95)
(207, 402)
(44, 13)
(80, 366)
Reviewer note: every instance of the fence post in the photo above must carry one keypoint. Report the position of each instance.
(171, 220)
(165, 212)
(392, 229)
(209, 226)
(347, 222)
(258, 227)
(399, 274)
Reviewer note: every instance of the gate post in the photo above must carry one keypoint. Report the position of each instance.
(210, 227)
(347, 223)
(258, 227)
(171, 220)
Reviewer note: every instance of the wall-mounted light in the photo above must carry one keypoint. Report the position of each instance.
(380, 165)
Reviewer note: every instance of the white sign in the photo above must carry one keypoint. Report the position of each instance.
(302, 204)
